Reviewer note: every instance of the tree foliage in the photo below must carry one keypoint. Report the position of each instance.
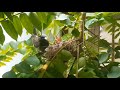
(72, 53)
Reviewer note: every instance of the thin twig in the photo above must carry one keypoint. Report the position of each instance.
(77, 67)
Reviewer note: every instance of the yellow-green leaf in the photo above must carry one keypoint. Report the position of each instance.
(8, 59)
(2, 64)
(53, 27)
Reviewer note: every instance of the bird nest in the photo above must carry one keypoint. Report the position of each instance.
(70, 45)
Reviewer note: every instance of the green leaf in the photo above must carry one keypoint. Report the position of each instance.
(114, 73)
(106, 14)
(109, 51)
(5, 47)
(64, 55)
(13, 45)
(75, 32)
(35, 21)
(2, 57)
(24, 75)
(103, 57)
(87, 73)
(9, 74)
(17, 24)
(109, 18)
(9, 15)
(117, 29)
(23, 67)
(66, 22)
(71, 18)
(26, 22)
(33, 60)
(117, 48)
(117, 55)
(22, 50)
(54, 27)
(90, 22)
(117, 24)
(59, 65)
(103, 43)
(29, 42)
(66, 37)
(92, 47)
(117, 35)
(116, 15)
(9, 28)
(1, 16)
(50, 17)
(82, 62)
(10, 53)
(93, 63)
(8, 59)
(2, 37)
(27, 54)
(109, 27)
(111, 64)
(42, 16)
(55, 70)
(49, 75)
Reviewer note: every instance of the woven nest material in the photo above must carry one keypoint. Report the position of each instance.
(70, 45)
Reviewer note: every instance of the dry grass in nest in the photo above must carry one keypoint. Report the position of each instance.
(70, 45)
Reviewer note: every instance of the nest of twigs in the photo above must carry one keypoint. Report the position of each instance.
(53, 50)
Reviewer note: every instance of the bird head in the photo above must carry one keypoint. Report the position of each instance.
(42, 37)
